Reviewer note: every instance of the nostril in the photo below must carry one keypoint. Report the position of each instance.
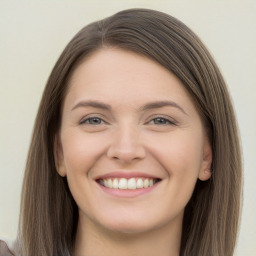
(126, 147)
(126, 155)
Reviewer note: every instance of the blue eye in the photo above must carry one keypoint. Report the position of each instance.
(161, 121)
(93, 121)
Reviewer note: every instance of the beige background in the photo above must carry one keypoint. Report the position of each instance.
(33, 33)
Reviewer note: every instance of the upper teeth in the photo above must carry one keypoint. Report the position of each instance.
(124, 183)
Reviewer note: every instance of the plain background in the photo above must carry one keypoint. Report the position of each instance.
(33, 34)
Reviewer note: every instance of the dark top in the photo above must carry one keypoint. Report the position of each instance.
(4, 249)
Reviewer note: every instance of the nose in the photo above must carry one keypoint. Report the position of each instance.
(126, 145)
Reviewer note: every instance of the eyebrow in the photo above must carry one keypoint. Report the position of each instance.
(92, 103)
(160, 104)
(148, 106)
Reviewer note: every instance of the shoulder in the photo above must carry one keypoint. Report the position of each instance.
(4, 249)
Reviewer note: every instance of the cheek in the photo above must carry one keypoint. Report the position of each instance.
(181, 156)
(179, 152)
(80, 152)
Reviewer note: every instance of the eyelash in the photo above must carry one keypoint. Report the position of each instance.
(165, 120)
(87, 121)
(159, 118)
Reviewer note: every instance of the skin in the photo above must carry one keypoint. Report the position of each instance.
(168, 142)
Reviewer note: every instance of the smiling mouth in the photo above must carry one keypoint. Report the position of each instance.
(128, 184)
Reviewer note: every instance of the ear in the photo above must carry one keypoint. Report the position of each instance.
(58, 156)
(205, 170)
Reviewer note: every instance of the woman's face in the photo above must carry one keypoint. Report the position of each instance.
(131, 143)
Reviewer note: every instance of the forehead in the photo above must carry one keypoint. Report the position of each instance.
(125, 77)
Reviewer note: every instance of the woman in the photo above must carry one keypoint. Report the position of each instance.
(135, 149)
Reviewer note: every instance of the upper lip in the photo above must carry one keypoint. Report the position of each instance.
(126, 174)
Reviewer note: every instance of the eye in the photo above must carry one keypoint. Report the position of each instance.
(93, 121)
(161, 121)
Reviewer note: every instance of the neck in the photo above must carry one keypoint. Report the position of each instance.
(94, 240)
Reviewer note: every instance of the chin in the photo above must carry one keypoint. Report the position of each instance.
(124, 229)
(133, 224)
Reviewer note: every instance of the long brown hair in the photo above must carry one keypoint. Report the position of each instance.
(49, 214)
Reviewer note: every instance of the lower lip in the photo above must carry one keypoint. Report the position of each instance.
(126, 193)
